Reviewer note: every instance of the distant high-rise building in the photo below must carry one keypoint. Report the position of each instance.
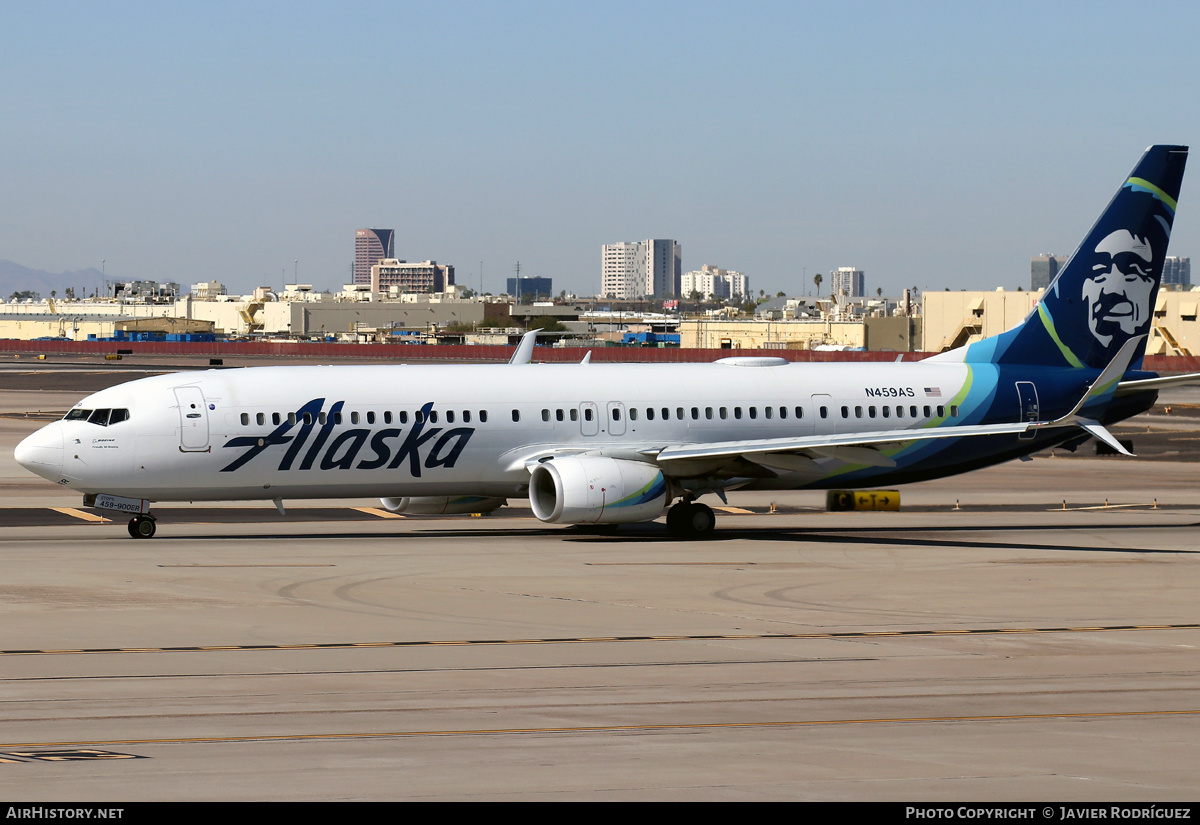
(711, 281)
(1177, 272)
(370, 247)
(640, 269)
(848, 281)
(1043, 269)
(391, 275)
(530, 288)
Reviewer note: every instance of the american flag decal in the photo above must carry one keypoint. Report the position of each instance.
(933, 392)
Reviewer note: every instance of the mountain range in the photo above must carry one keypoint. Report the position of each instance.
(17, 278)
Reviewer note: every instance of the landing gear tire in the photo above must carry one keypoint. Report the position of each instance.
(142, 527)
(689, 520)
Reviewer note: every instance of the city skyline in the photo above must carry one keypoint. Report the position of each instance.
(231, 142)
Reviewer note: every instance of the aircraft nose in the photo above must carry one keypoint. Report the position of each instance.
(42, 452)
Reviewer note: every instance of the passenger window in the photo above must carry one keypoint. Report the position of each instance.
(419, 417)
(574, 414)
(558, 415)
(587, 413)
(466, 417)
(666, 413)
(633, 413)
(545, 415)
(292, 418)
(799, 412)
(899, 412)
(371, 417)
(845, 412)
(912, 412)
(616, 414)
(245, 419)
(321, 418)
(649, 413)
(403, 414)
(516, 415)
(737, 412)
(695, 413)
(433, 416)
(767, 411)
(260, 419)
(276, 419)
(928, 412)
(483, 416)
(308, 419)
(887, 411)
(941, 411)
(858, 412)
(679, 413)
(722, 412)
(783, 412)
(708, 413)
(954, 411)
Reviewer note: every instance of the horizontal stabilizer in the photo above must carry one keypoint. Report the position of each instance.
(1143, 384)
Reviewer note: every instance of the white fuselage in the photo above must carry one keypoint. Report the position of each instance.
(460, 430)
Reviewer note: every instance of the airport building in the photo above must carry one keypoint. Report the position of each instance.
(370, 247)
(641, 269)
(952, 319)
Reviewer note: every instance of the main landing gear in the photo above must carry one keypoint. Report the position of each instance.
(142, 527)
(689, 520)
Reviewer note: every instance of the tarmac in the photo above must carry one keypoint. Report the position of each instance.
(1027, 632)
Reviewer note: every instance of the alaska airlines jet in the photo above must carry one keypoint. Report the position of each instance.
(619, 443)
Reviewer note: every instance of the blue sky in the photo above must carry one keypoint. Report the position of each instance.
(931, 144)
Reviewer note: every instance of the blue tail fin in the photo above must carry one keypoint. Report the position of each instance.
(1105, 294)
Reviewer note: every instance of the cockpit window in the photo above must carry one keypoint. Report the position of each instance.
(104, 418)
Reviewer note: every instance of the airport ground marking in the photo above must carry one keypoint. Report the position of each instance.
(80, 514)
(576, 729)
(714, 637)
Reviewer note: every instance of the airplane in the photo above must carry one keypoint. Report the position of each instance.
(610, 444)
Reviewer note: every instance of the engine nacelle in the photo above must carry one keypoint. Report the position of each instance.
(442, 505)
(595, 490)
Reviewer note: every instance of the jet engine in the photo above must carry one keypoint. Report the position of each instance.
(442, 505)
(596, 490)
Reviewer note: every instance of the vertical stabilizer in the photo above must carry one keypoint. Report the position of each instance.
(1104, 296)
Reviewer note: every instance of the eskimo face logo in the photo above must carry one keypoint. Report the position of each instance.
(421, 446)
(1118, 289)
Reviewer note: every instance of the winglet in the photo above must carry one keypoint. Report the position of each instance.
(524, 351)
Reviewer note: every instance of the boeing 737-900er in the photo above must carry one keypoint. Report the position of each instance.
(619, 443)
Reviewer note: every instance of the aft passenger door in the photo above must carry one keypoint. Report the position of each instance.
(193, 420)
(1030, 412)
